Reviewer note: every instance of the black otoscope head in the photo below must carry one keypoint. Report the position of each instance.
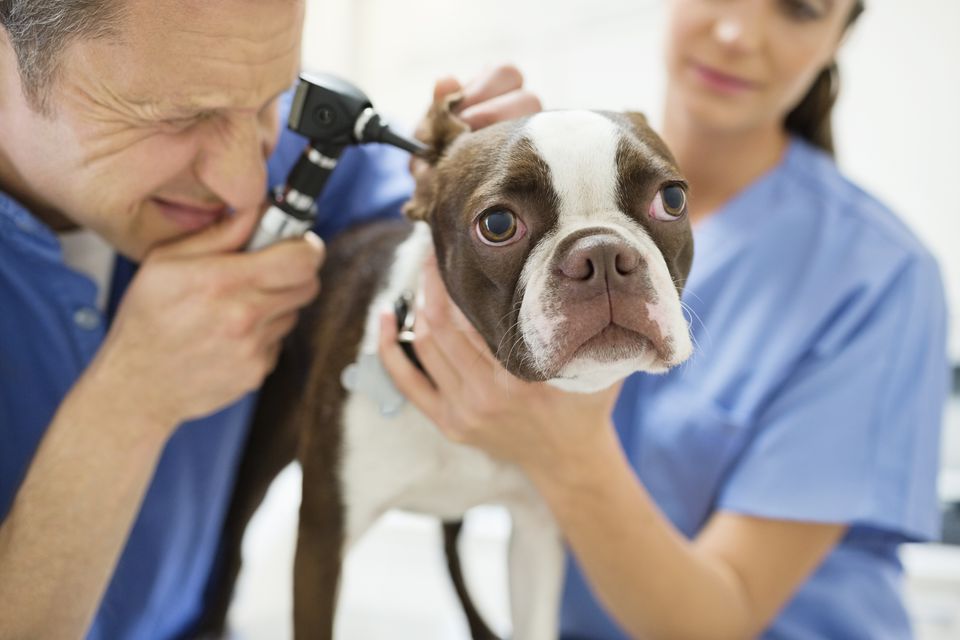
(333, 113)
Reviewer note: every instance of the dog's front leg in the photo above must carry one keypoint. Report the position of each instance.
(536, 563)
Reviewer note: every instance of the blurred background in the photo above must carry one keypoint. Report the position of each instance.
(898, 135)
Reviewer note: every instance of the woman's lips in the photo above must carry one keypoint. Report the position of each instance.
(720, 81)
(189, 217)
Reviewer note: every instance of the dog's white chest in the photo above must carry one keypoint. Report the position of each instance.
(405, 462)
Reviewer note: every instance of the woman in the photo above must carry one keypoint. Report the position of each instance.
(764, 487)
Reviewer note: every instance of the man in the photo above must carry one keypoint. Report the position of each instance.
(147, 125)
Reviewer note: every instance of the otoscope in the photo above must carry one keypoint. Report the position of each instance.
(332, 114)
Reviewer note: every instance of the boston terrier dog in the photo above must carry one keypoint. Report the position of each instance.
(564, 238)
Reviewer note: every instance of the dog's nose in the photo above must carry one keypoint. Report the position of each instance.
(600, 259)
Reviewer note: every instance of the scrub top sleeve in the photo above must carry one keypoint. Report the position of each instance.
(852, 436)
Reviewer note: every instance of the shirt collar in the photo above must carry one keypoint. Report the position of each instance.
(727, 231)
(25, 226)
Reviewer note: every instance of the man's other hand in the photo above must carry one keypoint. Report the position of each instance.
(202, 322)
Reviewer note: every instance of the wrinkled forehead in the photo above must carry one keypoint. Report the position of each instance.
(578, 161)
(174, 59)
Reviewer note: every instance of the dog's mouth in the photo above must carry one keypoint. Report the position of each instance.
(600, 339)
(614, 343)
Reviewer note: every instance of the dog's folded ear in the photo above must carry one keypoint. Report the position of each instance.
(442, 126)
(438, 130)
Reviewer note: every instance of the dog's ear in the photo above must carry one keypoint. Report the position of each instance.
(643, 130)
(442, 126)
(637, 119)
(438, 130)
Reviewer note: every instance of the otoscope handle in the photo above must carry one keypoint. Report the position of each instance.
(276, 225)
(294, 207)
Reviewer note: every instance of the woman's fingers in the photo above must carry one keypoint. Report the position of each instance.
(507, 106)
(490, 84)
(449, 329)
(408, 379)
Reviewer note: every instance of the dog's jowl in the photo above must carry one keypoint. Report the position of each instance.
(564, 238)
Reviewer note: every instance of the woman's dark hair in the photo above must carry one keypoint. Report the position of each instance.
(811, 119)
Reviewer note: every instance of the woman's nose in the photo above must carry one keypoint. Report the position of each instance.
(740, 25)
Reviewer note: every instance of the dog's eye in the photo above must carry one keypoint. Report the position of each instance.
(670, 203)
(499, 227)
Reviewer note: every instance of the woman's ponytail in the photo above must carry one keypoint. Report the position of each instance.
(811, 119)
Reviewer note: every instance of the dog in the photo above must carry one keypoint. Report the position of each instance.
(563, 235)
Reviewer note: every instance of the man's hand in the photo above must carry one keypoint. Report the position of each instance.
(202, 323)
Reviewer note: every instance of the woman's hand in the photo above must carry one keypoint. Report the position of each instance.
(736, 574)
(494, 96)
(473, 400)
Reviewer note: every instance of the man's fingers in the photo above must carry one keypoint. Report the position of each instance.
(287, 264)
(508, 106)
(409, 380)
(279, 303)
(229, 234)
(278, 328)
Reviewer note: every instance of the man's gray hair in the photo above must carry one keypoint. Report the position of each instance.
(39, 30)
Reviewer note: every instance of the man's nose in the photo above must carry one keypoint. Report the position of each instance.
(232, 163)
(595, 263)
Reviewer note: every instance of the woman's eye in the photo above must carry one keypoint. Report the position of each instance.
(803, 9)
(499, 227)
(669, 204)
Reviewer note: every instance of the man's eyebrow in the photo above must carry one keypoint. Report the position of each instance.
(195, 109)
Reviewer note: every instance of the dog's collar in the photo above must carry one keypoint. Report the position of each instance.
(404, 309)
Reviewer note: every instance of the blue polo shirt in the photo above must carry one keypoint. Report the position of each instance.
(50, 330)
(815, 394)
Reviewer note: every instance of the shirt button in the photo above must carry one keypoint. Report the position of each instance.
(86, 318)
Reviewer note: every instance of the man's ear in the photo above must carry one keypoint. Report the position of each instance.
(438, 131)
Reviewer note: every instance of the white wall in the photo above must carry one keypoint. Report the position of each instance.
(898, 121)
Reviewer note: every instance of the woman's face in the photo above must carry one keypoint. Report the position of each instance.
(736, 65)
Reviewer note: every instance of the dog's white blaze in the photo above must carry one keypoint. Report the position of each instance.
(580, 148)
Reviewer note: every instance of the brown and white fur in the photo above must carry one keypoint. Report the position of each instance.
(588, 296)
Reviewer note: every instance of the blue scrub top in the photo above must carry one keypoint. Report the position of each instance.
(49, 333)
(815, 394)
